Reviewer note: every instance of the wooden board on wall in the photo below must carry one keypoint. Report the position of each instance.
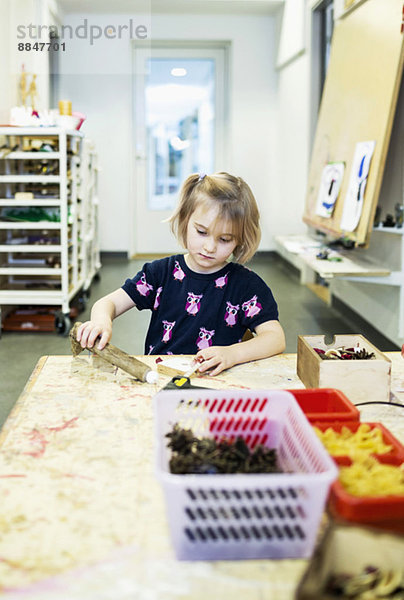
(358, 104)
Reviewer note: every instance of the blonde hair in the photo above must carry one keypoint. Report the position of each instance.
(236, 203)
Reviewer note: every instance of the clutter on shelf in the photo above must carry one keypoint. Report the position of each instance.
(49, 249)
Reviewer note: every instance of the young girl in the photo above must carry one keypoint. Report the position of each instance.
(200, 302)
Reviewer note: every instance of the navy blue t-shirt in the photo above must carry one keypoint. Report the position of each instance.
(191, 311)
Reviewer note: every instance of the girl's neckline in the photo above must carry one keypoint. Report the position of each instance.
(226, 269)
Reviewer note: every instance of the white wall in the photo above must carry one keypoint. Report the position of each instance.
(7, 88)
(293, 98)
(98, 80)
(14, 14)
(293, 147)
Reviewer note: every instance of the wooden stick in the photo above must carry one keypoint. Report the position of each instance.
(116, 357)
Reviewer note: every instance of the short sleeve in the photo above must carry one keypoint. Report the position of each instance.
(258, 305)
(142, 288)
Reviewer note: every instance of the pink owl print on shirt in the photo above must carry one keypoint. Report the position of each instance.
(151, 348)
(221, 281)
(205, 338)
(251, 307)
(193, 303)
(157, 298)
(230, 315)
(178, 272)
(167, 326)
(142, 286)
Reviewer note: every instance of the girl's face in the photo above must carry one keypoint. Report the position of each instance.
(210, 241)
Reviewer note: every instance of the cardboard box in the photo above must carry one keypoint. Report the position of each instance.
(361, 380)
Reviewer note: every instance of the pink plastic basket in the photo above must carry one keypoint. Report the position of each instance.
(217, 517)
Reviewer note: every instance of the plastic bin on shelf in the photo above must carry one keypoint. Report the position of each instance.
(325, 404)
(243, 516)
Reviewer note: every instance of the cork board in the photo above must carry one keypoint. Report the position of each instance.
(358, 105)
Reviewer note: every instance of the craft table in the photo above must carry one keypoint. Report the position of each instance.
(82, 515)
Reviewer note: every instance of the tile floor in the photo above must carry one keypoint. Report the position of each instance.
(301, 313)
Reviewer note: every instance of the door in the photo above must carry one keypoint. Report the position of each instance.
(180, 121)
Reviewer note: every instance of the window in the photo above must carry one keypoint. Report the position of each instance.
(180, 121)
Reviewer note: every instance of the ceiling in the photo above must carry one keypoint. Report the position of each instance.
(251, 7)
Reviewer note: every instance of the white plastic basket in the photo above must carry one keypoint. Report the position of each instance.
(240, 516)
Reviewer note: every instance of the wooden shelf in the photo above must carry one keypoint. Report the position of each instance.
(347, 266)
(394, 230)
(305, 249)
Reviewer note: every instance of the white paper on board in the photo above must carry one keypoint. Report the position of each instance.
(330, 185)
(357, 184)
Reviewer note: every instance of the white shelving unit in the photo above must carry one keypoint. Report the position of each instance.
(382, 296)
(371, 280)
(88, 248)
(49, 242)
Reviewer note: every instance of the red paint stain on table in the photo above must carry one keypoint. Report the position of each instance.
(38, 439)
(64, 426)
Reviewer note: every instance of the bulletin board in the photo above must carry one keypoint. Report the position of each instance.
(358, 105)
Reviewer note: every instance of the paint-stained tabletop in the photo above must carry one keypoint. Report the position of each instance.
(82, 515)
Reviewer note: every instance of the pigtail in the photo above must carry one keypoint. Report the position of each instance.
(251, 231)
(186, 205)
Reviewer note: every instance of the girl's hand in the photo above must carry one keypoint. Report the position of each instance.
(268, 341)
(89, 331)
(217, 358)
(103, 312)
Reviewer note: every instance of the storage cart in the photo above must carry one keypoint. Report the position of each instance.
(48, 219)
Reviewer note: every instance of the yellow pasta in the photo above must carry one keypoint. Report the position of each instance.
(364, 440)
(368, 477)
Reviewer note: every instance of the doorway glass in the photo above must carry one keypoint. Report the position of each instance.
(180, 114)
(180, 124)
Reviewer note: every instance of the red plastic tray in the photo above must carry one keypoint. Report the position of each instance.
(386, 512)
(325, 404)
(395, 456)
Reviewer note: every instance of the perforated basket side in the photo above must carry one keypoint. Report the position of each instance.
(299, 448)
(224, 413)
(233, 522)
(244, 516)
